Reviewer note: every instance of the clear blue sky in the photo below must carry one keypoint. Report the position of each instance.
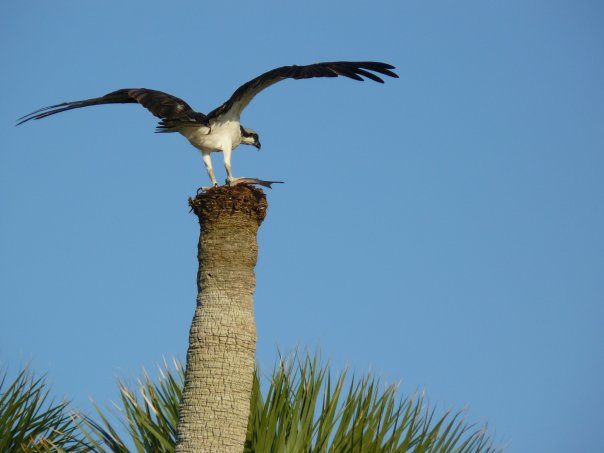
(445, 229)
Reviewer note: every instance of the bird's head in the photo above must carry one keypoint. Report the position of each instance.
(250, 137)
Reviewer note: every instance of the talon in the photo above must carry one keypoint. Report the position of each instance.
(205, 189)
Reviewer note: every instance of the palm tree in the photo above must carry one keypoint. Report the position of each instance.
(215, 404)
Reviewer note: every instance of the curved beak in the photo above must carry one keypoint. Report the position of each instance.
(258, 145)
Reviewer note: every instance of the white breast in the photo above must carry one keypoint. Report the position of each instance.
(220, 136)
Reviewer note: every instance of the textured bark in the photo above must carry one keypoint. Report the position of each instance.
(215, 405)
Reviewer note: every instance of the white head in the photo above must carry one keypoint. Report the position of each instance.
(250, 137)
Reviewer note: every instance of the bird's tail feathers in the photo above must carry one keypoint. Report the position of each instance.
(177, 124)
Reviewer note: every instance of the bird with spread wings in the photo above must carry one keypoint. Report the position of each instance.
(220, 130)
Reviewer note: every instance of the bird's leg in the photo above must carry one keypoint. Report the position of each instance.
(207, 160)
(227, 166)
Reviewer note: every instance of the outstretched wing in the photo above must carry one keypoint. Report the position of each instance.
(173, 111)
(351, 69)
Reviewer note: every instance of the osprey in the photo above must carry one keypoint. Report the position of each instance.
(220, 130)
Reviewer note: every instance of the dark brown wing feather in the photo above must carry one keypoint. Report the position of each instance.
(173, 111)
(352, 69)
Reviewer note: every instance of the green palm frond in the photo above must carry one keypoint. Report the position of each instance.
(29, 422)
(307, 410)
(148, 415)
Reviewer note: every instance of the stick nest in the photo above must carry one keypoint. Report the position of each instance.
(225, 200)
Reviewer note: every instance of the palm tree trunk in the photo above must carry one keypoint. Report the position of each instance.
(215, 404)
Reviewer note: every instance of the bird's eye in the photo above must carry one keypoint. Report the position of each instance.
(255, 136)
